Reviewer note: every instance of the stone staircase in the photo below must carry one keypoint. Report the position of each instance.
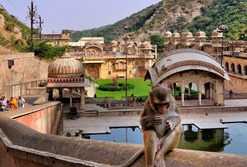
(90, 113)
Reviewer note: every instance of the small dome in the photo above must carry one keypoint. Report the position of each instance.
(65, 65)
(130, 44)
(175, 34)
(113, 43)
(186, 34)
(121, 42)
(146, 45)
(216, 34)
(200, 34)
(168, 34)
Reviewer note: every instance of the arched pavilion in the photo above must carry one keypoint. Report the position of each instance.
(185, 66)
(67, 73)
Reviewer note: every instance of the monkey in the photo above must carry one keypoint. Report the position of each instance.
(161, 126)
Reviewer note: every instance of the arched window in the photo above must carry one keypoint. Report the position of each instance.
(239, 69)
(233, 67)
(227, 66)
(245, 70)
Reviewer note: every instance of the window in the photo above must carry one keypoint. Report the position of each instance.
(239, 69)
(233, 67)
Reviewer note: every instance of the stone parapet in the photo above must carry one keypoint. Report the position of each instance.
(12, 56)
(27, 146)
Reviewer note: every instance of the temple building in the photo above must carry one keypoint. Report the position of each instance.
(62, 39)
(109, 60)
(232, 55)
(184, 67)
(67, 73)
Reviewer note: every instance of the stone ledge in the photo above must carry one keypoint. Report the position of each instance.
(83, 152)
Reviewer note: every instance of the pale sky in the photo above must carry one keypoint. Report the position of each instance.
(75, 14)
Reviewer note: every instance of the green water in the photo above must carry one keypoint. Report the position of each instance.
(232, 140)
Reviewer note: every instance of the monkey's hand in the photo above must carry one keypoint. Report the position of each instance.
(158, 120)
(170, 125)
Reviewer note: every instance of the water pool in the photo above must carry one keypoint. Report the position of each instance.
(232, 140)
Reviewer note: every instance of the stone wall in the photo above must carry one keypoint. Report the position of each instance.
(23, 146)
(19, 72)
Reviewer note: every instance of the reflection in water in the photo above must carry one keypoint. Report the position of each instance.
(231, 140)
(190, 135)
(206, 140)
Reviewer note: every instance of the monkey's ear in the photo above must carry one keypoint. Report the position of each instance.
(149, 92)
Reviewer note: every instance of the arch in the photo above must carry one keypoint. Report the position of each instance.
(187, 66)
(239, 69)
(227, 66)
(245, 70)
(233, 67)
(93, 71)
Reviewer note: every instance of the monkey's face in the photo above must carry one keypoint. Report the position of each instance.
(160, 101)
(162, 108)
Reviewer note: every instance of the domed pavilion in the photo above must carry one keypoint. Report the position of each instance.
(181, 68)
(67, 73)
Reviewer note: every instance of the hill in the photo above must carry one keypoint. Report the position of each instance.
(176, 15)
(12, 32)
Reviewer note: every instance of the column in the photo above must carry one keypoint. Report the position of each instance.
(182, 94)
(82, 107)
(60, 95)
(70, 97)
(199, 97)
(182, 98)
(199, 87)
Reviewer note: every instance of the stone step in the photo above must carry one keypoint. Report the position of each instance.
(90, 113)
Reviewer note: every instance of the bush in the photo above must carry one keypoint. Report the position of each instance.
(121, 87)
(9, 26)
(43, 84)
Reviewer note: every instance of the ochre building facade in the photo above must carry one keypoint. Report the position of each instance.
(109, 60)
(62, 39)
(234, 54)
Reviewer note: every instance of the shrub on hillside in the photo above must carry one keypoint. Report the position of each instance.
(9, 26)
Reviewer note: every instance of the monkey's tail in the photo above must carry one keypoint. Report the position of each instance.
(132, 159)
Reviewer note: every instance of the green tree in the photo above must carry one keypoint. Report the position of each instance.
(157, 40)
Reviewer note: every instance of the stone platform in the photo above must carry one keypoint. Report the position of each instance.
(203, 117)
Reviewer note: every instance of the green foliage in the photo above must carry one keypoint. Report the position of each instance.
(9, 26)
(89, 78)
(44, 50)
(157, 40)
(229, 12)
(120, 87)
(141, 88)
(3, 41)
(10, 19)
(42, 84)
(19, 42)
(110, 32)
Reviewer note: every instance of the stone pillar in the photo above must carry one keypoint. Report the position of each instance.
(182, 94)
(199, 98)
(60, 94)
(182, 98)
(82, 107)
(70, 97)
(199, 87)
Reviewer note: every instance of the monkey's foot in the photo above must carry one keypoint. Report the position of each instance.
(160, 162)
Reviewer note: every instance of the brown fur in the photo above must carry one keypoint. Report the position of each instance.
(160, 137)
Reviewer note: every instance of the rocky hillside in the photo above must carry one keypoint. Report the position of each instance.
(177, 15)
(12, 32)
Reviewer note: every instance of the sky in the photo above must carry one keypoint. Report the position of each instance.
(75, 14)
